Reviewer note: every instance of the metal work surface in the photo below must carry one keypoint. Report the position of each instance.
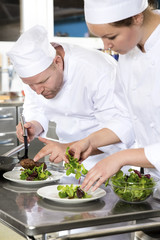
(24, 211)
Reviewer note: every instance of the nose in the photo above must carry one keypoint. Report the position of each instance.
(107, 44)
(36, 88)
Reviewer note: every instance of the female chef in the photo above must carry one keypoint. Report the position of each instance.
(132, 29)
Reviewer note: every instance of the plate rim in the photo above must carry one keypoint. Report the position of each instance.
(69, 201)
(25, 182)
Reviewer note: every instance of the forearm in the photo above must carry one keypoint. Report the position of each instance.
(102, 138)
(133, 157)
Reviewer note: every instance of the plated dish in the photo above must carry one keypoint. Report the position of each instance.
(51, 193)
(14, 176)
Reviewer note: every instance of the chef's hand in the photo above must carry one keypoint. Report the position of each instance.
(56, 151)
(102, 171)
(34, 128)
(81, 149)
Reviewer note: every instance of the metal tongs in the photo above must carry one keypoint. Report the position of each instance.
(25, 134)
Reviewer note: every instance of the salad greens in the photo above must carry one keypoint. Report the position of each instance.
(36, 174)
(134, 187)
(74, 166)
(66, 191)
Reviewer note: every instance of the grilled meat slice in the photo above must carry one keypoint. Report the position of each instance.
(29, 163)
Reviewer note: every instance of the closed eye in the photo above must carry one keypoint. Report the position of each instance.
(110, 38)
(43, 81)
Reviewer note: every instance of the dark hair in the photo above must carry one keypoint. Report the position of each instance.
(125, 22)
(153, 3)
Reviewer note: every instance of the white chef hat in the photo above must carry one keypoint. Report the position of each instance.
(109, 11)
(32, 53)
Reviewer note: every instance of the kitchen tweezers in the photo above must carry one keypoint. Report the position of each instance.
(25, 134)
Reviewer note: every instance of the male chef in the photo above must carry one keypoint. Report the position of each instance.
(67, 84)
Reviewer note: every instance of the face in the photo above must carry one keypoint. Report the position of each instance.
(49, 82)
(119, 39)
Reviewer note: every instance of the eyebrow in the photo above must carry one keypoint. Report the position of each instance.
(45, 79)
(108, 35)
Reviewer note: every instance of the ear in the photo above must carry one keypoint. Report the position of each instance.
(138, 19)
(58, 61)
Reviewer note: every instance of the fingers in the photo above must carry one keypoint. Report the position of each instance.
(90, 179)
(85, 154)
(81, 149)
(56, 156)
(65, 159)
(30, 131)
(55, 150)
(19, 132)
(42, 153)
(97, 175)
(74, 152)
(58, 159)
(38, 156)
(27, 125)
(99, 183)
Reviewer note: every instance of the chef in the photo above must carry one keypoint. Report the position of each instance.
(132, 29)
(67, 84)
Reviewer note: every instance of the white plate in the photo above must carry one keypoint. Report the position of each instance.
(51, 193)
(14, 176)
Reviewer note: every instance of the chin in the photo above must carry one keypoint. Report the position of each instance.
(50, 96)
(122, 52)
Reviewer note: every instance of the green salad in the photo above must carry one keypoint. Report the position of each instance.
(133, 187)
(36, 174)
(66, 191)
(74, 166)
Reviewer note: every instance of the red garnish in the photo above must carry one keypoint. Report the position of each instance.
(138, 173)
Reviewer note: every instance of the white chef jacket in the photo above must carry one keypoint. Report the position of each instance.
(85, 102)
(140, 79)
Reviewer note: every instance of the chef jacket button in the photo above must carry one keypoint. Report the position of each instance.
(152, 125)
(66, 114)
(135, 117)
(153, 63)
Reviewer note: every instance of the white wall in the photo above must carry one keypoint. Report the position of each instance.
(34, 12)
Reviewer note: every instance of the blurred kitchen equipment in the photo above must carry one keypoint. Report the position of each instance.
(0, 72)
(7, 163)
(10, 75)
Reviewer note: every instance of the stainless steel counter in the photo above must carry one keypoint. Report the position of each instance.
(25, 212)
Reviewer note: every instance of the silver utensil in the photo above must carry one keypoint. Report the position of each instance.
(25, 135)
